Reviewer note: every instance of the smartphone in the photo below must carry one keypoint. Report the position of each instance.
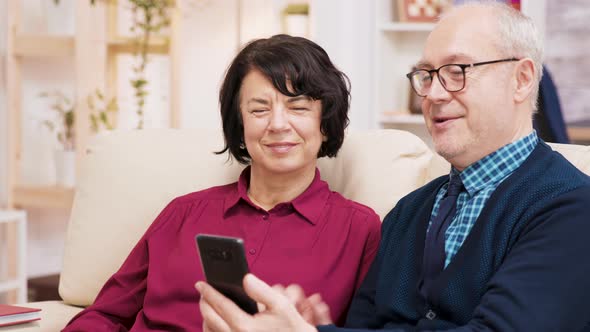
(225, 265)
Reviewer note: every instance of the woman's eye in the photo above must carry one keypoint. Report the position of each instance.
(258, 112)
(299, 109)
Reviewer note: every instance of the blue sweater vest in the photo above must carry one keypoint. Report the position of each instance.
(523, 267)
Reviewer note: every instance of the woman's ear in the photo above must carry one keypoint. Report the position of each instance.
(525, 80)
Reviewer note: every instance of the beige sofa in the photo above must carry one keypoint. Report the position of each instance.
(128, 177)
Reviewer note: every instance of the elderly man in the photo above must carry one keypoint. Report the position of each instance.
(498, 245)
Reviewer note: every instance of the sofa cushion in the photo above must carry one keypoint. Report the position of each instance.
(579, 155)
(127, 177)
(378, 167)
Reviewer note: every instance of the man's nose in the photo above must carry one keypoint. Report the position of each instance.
(437, 91)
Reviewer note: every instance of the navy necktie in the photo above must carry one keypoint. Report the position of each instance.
(434, 249)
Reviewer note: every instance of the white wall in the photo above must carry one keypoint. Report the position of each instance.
(345, 29)
(3, 114)
(3, 134)
(210, 37)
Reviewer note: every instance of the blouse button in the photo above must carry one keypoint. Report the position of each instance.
(265, 217)
(252, 251)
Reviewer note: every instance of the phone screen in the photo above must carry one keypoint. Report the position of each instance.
(225, 265)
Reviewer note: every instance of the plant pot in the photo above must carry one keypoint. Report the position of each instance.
(65, 168)
(296, 25)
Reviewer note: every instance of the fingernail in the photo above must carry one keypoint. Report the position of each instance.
(199, 286)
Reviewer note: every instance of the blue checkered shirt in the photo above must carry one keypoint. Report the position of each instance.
(480, 180)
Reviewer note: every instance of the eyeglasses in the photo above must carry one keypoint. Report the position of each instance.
(451, 76)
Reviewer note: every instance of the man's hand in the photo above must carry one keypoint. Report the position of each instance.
(313, 309)
(220, 314)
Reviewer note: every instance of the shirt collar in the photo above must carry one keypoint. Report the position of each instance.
(496, 166)
(309, 204)
(312, 201)
(242, 193)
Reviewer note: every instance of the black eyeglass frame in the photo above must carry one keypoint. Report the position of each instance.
(460, 65)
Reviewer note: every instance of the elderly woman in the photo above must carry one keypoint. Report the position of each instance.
(283, 105)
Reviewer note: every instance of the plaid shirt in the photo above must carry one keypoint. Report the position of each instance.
(480, 180)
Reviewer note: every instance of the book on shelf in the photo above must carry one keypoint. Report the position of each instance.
(13, 315)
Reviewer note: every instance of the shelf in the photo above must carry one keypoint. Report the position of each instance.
(43, 46)
(397, 118)
(406, 27)
(43, 197)
(7, 216)
(157, 45)
(9, 285)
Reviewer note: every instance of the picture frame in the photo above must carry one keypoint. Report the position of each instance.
(516, 4)
(428, 11)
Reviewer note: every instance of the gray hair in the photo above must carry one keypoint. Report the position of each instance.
(517, 37)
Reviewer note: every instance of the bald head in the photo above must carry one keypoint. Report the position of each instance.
(467, 33)
(481, 66)
(508, 31)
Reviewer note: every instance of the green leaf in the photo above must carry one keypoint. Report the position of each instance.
(49, 125)
(69, 120)
(93, 123)
(103, 117)
(112, 106)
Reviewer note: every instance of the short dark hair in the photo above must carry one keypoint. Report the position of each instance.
(287, 60)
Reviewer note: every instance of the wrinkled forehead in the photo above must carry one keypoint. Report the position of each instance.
(461, 38)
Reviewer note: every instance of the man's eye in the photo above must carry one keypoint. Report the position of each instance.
(425, 79)
(454, 70)
(300, 109)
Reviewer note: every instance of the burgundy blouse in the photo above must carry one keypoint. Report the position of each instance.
(320, 240)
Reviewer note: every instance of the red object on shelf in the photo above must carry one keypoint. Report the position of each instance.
(515, 4)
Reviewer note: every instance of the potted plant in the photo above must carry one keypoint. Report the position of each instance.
(149, 17)
(295, 19)
(102, 111)
(62, 124)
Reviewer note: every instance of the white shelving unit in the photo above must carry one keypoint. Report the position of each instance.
(398, 45)
(15, 219)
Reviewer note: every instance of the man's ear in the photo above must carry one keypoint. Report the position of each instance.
(525, 79)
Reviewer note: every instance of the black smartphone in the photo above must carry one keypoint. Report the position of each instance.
(225, 265)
